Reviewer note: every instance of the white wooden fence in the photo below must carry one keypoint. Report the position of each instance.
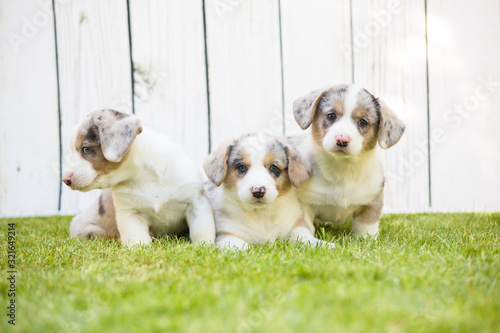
(201, 71)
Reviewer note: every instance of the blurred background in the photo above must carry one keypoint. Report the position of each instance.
(202, 71)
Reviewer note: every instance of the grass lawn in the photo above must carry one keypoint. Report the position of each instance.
(425, 273)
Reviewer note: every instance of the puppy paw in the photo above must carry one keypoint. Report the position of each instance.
(131, 242)
(328, 245)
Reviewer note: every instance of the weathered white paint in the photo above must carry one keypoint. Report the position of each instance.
(316, 49)
(168, 51)
(29, 136)
(390, 62)
(464, 53)
(244, 68)
(94, 69)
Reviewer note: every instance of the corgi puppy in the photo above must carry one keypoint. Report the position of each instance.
(347, 179)
(253, 194)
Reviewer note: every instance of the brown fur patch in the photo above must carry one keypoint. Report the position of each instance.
(88, 136)
(369, 132)
(282, 182)
(233, 175)
(371, 213)
(321, 123)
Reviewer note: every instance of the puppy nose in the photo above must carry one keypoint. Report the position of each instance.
(258, 192)
(67, 179)
(342, 140)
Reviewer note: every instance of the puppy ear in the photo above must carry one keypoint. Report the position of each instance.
(117, 131)
(299, 169)
(216, 164)
(305, 107)
(391, 128)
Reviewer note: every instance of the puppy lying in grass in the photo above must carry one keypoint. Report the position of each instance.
(155, 188)
(252, 193)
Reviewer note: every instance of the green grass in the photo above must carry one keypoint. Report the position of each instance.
(425, 273)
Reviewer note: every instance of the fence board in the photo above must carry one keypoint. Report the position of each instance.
(94, 67)
(464, 110)
(168, 51)
(29, 154)
(390, 61)
(244, 63)
(316, 49)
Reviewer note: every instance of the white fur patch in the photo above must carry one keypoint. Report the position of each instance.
(346, 126)
(257, 176)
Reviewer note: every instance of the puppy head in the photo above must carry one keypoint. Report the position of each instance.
(257, 167)
(348, 120)
(99, 144)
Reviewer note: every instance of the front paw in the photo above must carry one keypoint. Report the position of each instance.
(365, 230)
(136, 241)
(320, 243)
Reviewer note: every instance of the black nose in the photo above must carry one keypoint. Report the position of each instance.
(67, 182)
(258, 192)
(342, 143)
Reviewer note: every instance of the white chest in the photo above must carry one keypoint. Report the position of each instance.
(336, 197)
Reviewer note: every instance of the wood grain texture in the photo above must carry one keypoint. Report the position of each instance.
(168, 51)
(244, 68)
(94, 70)
(316, 49)
(29, 152)
(464, 53)
(390, 61)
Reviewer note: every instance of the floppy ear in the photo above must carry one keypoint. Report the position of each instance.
(304, 108)
(216, 164)
(117, 131)
(299, 169)
(391, 128)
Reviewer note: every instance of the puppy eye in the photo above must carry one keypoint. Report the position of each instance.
(363, 123)
(242, 168)
(331, 116)
(87, 150)
(275, 170)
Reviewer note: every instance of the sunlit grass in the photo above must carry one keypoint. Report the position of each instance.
(425, 273)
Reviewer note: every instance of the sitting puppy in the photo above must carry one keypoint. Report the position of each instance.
(155, 187)
(348, 179)
(254, 201)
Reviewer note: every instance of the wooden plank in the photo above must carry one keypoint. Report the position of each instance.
(463, 58)
(94, 67)
(244, 62)
(168, 51)
(390, 62)
(316, 49)
(29, 126)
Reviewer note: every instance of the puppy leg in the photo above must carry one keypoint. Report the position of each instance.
(84, 225)
(231, 242)
(133, 230)
(302, 233)
(200, 219)
(366, 222)
(97, 220)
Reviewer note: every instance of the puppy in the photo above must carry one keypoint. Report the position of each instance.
(253, 197)
(154, 187)
(348, 180)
